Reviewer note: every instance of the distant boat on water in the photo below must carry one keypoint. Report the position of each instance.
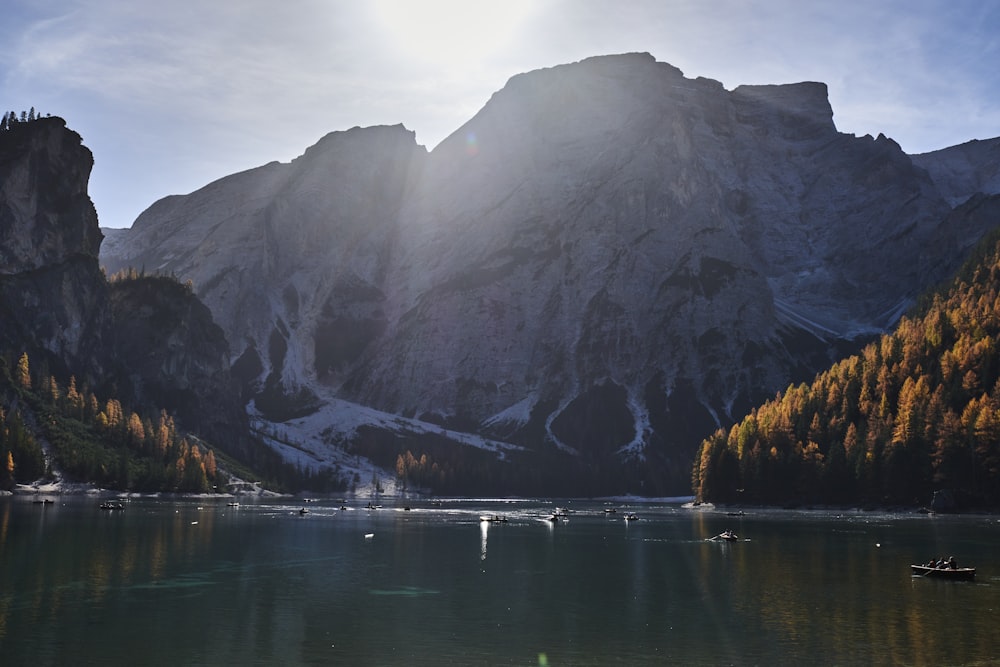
(954, 573)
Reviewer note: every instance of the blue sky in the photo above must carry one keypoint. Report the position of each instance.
(170, 96)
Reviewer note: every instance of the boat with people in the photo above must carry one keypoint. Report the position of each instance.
(631, 516)
(495, 518)
(944, 569)
(112, 505)
(727, 535)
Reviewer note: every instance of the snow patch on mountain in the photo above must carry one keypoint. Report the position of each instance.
(317, 441)
(517, 415)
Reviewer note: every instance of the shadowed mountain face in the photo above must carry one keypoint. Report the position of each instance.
(149, 342)
(608, 260)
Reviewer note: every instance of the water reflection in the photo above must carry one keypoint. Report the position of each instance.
(263, 586)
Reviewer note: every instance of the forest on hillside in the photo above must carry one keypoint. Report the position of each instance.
(58, 427)
(915, 412)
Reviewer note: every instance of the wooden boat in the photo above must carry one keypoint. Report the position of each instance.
(956, 573)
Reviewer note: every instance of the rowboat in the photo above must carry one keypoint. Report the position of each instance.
(956, 573)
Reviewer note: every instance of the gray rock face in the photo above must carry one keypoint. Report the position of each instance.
(609, 258)
(52, 294)
(46, 217)
(291, 258)
(147, 342)
(963, 170)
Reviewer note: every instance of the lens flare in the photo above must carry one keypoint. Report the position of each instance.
(450, 33)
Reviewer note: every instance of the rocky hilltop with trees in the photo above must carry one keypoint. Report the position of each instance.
(124, 383)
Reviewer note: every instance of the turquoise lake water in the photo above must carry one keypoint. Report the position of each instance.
(196, 582)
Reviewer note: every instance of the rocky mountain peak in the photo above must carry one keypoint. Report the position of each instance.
(807, 102)
(46, 216)
(609, 260)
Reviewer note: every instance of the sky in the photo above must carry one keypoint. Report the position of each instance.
(170, 96)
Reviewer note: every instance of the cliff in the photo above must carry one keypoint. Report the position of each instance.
(147, 342)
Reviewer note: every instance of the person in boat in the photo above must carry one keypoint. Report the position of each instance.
(952, 563)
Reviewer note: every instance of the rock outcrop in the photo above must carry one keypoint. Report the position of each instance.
(609, 260)
(147, 341)
(53, 297)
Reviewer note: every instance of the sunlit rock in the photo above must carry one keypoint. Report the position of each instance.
(610, 259)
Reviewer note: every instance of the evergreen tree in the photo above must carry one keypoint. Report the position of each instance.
(23, 372)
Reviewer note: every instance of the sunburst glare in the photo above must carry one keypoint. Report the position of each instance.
(450, 33)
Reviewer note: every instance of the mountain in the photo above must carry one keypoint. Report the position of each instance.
(146, 342)
(914, 416)
(960, 171)
(606, 263)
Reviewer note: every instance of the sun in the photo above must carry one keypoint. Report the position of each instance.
(450, 33)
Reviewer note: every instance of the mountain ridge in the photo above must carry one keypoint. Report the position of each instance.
(609, 259)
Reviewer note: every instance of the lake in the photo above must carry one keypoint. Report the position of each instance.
(196, 582)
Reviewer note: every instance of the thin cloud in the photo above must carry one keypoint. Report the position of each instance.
(171, 95)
